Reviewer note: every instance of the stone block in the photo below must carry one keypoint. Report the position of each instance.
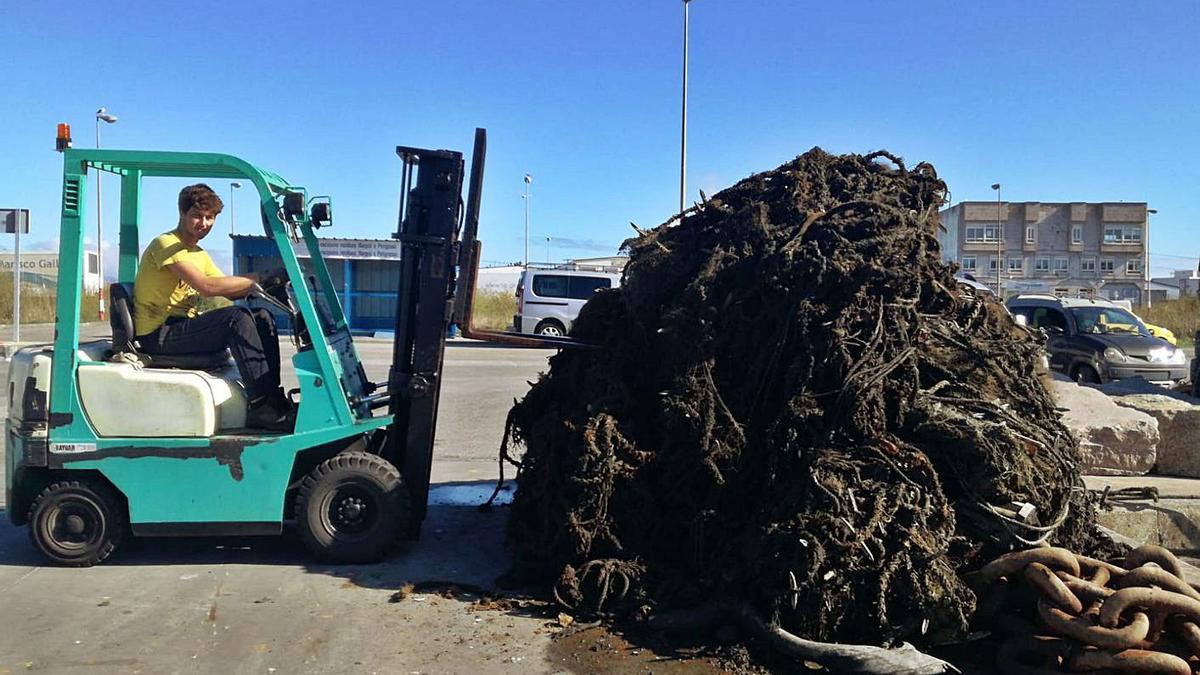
(1113, 440)
(1178, 416)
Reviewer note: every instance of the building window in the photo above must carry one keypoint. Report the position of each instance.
(1060, 267)
(1106, 266)
(968, 263)
(1030, 235)
(982, 234)
(1041, 265)
(1087, 265)
(1121, 293)
(1062, 292)
(1133, 266)
(1123, 235)
(1076, 234)
(992, 261)
(1016, 264)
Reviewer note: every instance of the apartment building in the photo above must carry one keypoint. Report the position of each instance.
(1066, 248)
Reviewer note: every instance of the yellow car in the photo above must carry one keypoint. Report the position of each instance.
(1160, 332)
(1156, 331)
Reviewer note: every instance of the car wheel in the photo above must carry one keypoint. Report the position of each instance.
(550, 328)
(352, 508)
(77, 523)
(1085, 374)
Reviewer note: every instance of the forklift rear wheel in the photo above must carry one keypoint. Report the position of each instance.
(76, 523)
(550, 328)
(352, 508)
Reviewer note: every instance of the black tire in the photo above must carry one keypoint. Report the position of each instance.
(1085, 374)
(352, 508)
(77, 523)
(550, 328)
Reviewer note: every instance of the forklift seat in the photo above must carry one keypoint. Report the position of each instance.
(124, 341)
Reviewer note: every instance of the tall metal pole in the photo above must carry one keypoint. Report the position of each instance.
(99, 225)
(17, 279)
(548, 250)
(102, 115)
(232, 216)
(683, 115)
(999, 242)
(1146, 256)
(528, 180)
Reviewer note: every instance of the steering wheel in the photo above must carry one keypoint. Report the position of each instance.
(280, 297)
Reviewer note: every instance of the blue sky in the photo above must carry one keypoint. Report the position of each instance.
(1057, 101)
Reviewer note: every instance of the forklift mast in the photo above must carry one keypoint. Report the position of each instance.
(431, 213)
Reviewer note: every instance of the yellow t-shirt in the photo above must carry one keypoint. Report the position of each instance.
(157, 292)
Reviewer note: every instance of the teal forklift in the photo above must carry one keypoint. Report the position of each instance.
(104, 441)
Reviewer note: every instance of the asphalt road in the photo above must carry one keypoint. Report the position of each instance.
(261, 605)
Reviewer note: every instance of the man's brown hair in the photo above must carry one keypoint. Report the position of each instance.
(199, 195)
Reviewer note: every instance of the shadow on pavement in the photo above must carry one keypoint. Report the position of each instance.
(459, 543)
(480, 344)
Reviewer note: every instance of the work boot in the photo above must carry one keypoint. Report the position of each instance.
(265, 413)
(281, 400)
(284, 405)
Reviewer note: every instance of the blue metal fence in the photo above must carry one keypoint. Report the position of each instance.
(366, 287)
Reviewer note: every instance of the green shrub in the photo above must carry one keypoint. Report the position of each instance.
(1181, 317)
(38, 303)
(494, 310)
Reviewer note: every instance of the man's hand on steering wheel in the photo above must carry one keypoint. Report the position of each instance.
(273, 279)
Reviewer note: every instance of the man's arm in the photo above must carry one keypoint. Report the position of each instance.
(232, 287)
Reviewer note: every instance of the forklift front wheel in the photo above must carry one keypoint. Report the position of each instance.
(76, 523)
(352, 508)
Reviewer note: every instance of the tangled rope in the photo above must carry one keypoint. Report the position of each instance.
(793, 406)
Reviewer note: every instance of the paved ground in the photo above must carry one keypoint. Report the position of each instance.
(261, 606)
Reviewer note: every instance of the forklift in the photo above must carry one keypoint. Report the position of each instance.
(104, 441)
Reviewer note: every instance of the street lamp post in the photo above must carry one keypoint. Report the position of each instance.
(232, 215)
(1146, 255)
(528, 180)
(232, 212)
(102, 115)
(548, 251)
(999, 242)
(683, 115)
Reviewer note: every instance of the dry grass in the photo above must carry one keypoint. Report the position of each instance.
(494, 310)
(1181, 316)
(37, 303)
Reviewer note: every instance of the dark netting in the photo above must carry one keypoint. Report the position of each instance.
(792, 405)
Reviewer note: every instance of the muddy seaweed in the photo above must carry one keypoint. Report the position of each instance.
(793, 405)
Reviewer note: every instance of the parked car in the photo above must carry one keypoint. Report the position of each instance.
(967, 281)
(548, 300)
(1096, 340)
(1161, 332)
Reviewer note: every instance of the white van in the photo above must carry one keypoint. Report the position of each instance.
(548, 300)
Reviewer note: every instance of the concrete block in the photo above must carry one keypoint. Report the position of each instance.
(1113, 440)
(1169, 521)
(1178, 416)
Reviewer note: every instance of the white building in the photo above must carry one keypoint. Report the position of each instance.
(40, 268)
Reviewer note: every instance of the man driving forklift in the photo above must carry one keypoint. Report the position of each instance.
(175, 274)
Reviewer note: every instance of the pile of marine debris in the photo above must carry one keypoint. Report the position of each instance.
(793, 415)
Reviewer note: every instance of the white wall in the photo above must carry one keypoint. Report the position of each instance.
(499, 278)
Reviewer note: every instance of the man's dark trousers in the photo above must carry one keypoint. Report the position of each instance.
(249, 334)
